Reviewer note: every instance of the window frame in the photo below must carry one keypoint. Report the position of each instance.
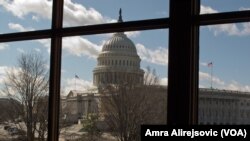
(182, 95)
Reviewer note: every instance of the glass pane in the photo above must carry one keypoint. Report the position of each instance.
(215, 6)
(25, 15)
(24, 76)
(224, 74)
(105, 74)
(88, 12)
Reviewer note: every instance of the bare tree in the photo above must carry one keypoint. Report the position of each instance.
(127, 106)
(28, 84)
(90, 126)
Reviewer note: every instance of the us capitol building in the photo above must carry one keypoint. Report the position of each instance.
(119, 61)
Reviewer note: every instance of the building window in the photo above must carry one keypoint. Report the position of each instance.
(184, 62)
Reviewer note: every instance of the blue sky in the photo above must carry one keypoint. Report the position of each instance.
(227, 46)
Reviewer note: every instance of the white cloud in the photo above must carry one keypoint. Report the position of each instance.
(133, 34)
(20, 50)
(242, 29)
(158, 56)
(203, 64)
(63, 71)
(246, 29)
(4, 69)
(81, 47)
(220, 84)
(35, 18)
(37, 50)
(74, 45)
(21, 8)
(234, 85)
(18, 27)
(163, 81)
(45, 43)
(229, 29)
(74, 14)
(3, 73)
(201, 86)
(207, 77)
(207, 10)
(130, 34)
(3, 46)
(244, 8)
(77, 84)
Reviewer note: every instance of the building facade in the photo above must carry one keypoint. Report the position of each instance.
(77, 105)
(216, 107)
(224, 107)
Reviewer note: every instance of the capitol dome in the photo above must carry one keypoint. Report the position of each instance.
(120, 43)
(118, 62)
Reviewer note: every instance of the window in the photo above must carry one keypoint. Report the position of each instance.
(222, 74)
(24, 79)
(183, 62)
(80, 59)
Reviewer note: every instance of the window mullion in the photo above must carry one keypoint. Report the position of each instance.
(183, 62)
(55, 71)
(223, 18)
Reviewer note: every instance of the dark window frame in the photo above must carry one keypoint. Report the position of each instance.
(182, 95)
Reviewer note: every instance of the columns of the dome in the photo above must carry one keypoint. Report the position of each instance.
(106, 77)
(98, 79)
(114, 77)
(103, 78)
(95, 81)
